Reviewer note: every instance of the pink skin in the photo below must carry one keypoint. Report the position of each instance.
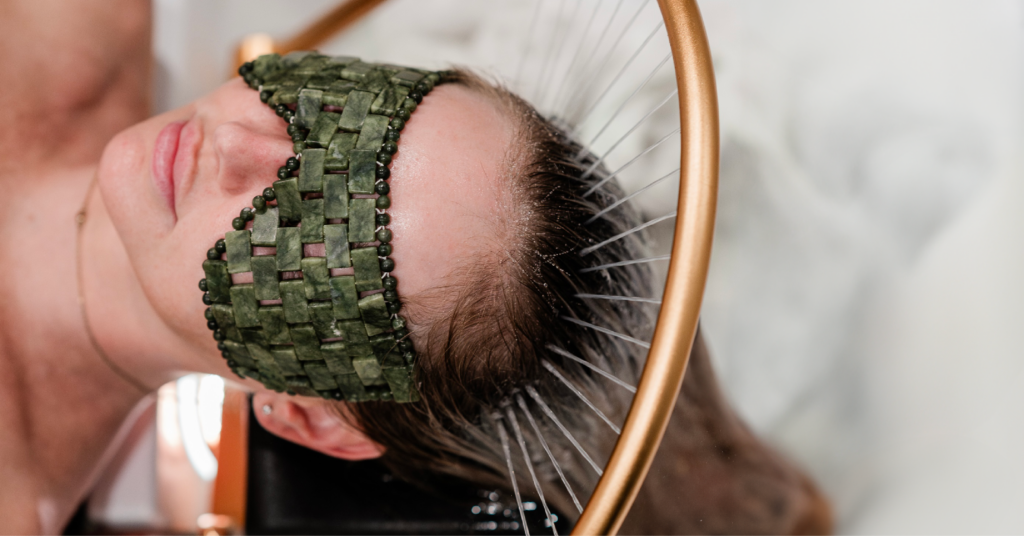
(173, 183)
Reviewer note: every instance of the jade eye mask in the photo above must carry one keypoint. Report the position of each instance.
(321, 315)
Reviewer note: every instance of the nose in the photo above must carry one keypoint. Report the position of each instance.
(248, 159)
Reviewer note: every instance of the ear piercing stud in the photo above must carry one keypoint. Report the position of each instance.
(267, 410)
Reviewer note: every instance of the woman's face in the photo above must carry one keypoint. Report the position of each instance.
(173, 184)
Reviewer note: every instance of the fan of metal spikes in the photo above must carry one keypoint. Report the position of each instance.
(598, 68)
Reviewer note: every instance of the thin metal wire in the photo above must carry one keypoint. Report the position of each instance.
(625, 263)
(618, 298)
(576, 55)
(551, 415)
(592, 367)
(631, 196)
(529, 465)
(551, 368)
(529, 43)
(638, 228)
(512, 472)
(558, 54)
(636, 158)
(624, 136)
(551, 52)
(607, 331)
(593, 50)
(547, 449)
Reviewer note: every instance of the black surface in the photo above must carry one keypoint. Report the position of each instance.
(294, 490)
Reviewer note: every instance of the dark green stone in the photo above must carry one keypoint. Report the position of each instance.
(336, 356)
(310, 63)
(356, 71)
(367, 269)
(285, 358)
(292, 59)
(383, 202)
(225, 317)
(352, 386)
(375, 314)
(336, 243)
(266, 65)
(264, 277)
(275, 326)
(335, 196)
(239, 251)
(386, 350)
(337, 94)
(355, 111)
(406, 78)
(293, 298)
(301, 386)
(315, 276)
(361, 220)
(400, 382)
(289, 202)
(385, 102)
(319, 376)
(289, 249)
(342, 61)
(311, 170)
(218, 281)
(338, 151)
(310, 102)
(323, 130)
(321, 314)
(372, 135)
(307, 345)
(374, 82)
(264, 228)
(362, 171)
(369, 370)
(243, 300)
(344, 297)
(239, 354)
(321, 81)
(357, 343)
(312, 229)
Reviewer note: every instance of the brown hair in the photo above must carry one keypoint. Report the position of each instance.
(484, 334)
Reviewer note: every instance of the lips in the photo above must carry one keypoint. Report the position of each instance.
(165, 150)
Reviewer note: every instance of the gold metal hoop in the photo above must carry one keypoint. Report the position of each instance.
(691, 249)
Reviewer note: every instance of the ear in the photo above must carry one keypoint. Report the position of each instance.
(312, 424)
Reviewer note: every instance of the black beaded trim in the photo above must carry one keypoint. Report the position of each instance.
(302, 326)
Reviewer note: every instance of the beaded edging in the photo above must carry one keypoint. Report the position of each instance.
(318, 323)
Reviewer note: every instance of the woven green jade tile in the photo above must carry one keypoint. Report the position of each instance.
(362, 171)
(285, 358)
(265, 363)
(315, 277)
(243, 300)
(374, 81)
(311, 63)
(371, 137)
(293, 58)
(239, 354)
(264, 228)
(400, 383)
(337, 359)
(367, 269)
(289, 249)
(386, 350)
(310, 103)
(311, 170)
(319, 376)
(342, 61)
(375, 315)
(338, 150)
(301, 385)
(321, 314)
(321, 81)
(254, 337)
(264, 277)
(289, 202)
(266, 65)
(406, 78)
(293, 298)
(355, 111)
(225, 317)
(335, 196)
(352, 386)
(356, 71)
(275, 326)
(218, 281)
(361, 220)
(323, 129)
(385, 102)
(239, 251)
(344, 297)
(356, 341)
(369, 370)
(307, 345)
(337, 94)
(312, 229)
(336, 243)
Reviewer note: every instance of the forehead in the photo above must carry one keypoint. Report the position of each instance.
(448, 186)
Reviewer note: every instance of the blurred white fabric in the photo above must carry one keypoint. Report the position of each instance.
(865, 298)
